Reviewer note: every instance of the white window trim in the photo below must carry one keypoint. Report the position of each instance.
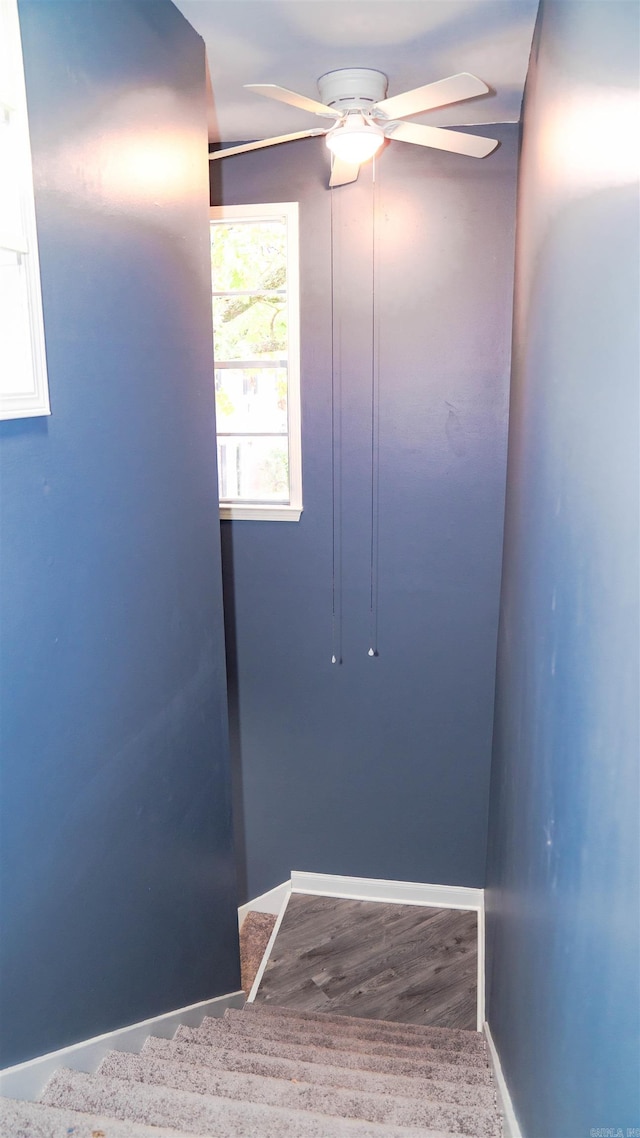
(13, 103)
(257, 512)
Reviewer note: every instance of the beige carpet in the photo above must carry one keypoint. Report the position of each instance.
(270, 1072)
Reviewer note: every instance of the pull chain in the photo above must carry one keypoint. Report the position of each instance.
(375, 428)
(336, 457)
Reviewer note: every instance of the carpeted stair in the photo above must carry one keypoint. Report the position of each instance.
(270, 1072)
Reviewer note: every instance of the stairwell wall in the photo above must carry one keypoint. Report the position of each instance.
(118, 890)
(563, 895)
(379, 767)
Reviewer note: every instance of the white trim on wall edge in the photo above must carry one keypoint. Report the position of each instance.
(270, 902)
(396, 892)
(510, 1124)
(481, 955)
(27, 1080)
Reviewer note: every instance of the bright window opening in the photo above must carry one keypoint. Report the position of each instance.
(255, 287)
(24, 388)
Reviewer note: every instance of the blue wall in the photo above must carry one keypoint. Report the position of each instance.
(563, 890)
(118, 894)
(380, 767)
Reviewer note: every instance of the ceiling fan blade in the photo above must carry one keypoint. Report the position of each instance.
(272, 91)
(343, 172)
(473, 145)
(229, 151)
(440, 94)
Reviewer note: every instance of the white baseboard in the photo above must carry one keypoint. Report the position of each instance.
(395, 892)
(481, 944)
(510, 1124)
(27, 1080)
(270, 902)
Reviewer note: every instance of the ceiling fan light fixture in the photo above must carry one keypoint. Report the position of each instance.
(363, 117)
(355, 140)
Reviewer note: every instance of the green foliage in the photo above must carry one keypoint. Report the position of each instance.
(224, 406)
(258, 331)
(244, 252)
(249, 256)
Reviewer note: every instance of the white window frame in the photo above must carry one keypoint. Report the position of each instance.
(20, 237)
(263, 512)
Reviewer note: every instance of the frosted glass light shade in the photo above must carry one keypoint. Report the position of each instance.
(355, 140)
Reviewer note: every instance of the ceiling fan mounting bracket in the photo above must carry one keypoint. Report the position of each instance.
(352, 88)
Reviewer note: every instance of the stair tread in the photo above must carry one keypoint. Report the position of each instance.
(209, 1116)
(276, 1066)
(260, 1007)
(331, 1101)
(399, 1060)
(332, 1035)
(20, 1119)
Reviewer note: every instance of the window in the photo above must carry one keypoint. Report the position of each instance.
(255, 281)
(23, 374)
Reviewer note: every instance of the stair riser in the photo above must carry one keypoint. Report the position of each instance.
(465, 1094)
(24, 1119)
(421, 1069)
(213, 1118)
(450, 1038)
(283, 1093)
(223, 1032)
(337, 1035)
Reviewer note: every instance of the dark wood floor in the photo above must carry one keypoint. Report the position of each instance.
(406, 963)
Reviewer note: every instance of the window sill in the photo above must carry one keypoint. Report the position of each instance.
(260, 513)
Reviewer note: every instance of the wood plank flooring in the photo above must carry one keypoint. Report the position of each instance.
(405, 963)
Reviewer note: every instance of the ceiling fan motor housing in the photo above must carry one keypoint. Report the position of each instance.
(352, 88)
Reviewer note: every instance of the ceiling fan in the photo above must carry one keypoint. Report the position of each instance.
(355, 98)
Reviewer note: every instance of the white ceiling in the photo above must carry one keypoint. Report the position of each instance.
(292, 42)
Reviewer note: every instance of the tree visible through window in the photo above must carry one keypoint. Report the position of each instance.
(255, 328)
